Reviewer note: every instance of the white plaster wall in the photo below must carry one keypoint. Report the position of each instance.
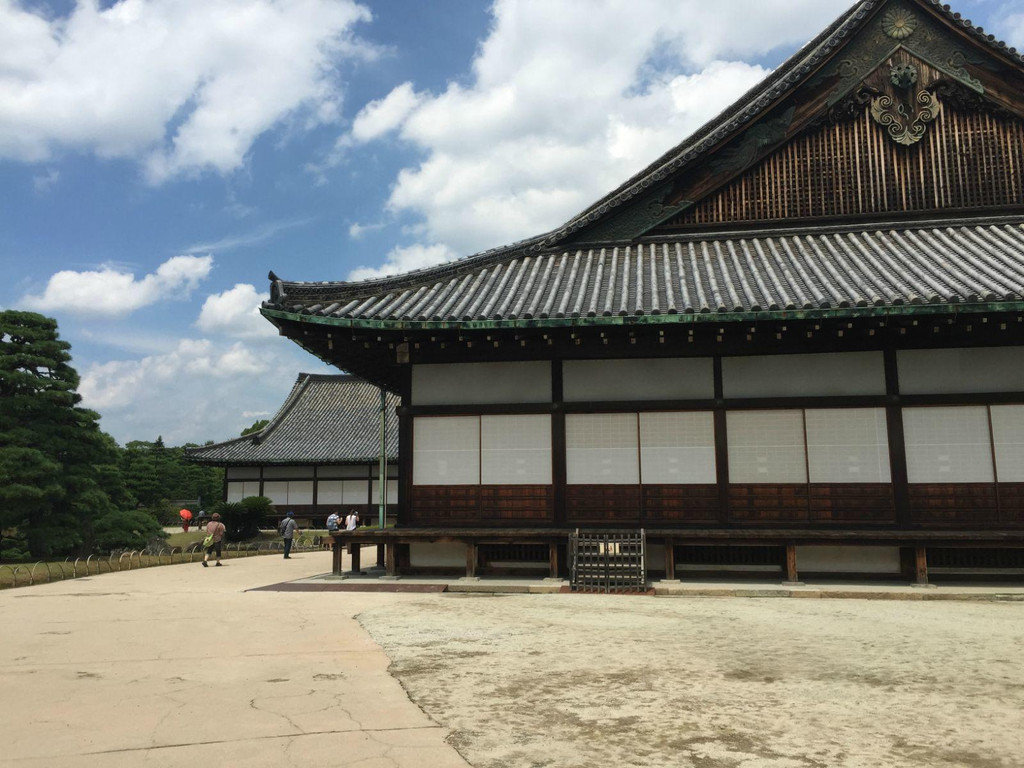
(830, 374)
(825, 559)
(447, 554)
(945, 371)
(243, 473)
(642, 379)
(481, 383)
(286, 472)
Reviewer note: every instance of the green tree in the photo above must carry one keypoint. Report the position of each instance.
(55, 463)
(256, 427)
(243, 519)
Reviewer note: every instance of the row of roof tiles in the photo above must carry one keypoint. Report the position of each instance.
(935, 265)
(324, 420)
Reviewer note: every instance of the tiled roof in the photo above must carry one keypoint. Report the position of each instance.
(733, 118)
(325, 420)
(944, 263)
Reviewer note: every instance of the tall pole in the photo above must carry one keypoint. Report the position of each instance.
(382, 470)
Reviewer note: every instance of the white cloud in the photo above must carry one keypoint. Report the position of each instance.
(379, 117)
(235, 313)
(566, 101)
(357, 230)
(258, 235)
(168, 394)
(183, 86)
(405, 260)
(1014, 26)
(44, 182)
(114, 292)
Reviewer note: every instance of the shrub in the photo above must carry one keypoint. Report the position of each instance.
(243, 519)
(126, 529)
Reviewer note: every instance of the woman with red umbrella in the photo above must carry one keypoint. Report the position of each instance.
(186, 519)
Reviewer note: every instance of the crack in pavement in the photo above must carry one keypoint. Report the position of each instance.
(291, 736)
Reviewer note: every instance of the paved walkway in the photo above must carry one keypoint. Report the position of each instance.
(181, 666)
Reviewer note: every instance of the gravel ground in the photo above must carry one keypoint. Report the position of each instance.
(590, 681)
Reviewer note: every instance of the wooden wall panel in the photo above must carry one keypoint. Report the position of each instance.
(609, 505)
(852, 503)
(480, 505)
(768, 502)
(967, 505)
(680, 504)
(1011, 504)
(966, 160)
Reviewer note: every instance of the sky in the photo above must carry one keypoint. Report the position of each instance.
(159, 157)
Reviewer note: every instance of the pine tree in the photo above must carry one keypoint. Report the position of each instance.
(54, 460)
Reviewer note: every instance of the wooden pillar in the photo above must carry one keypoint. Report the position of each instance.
(380, 555)
(670, 559)
(355, 549)
(897, 445)
(336, 550)
(792, 575)
(470, 559)
(721, 445)
(553, 560)
(558, 470)
(389, 559)
(920, 566)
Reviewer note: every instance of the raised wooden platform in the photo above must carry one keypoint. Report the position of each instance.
(915, 542)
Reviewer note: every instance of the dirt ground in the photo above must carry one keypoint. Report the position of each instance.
(573, 681)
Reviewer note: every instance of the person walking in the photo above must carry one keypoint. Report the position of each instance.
(215, 536)
(287, 529)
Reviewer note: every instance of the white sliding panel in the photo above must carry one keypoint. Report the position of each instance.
(677, 447)
(354, 491)
(766, 447)
(392, 492)
(941, 371)
(515, 450)
(243, 473)
(300, 491)
(847, 445)
(602, 449)
(948, 445)
(446, 450)
(239, 491)
(838, 373)
(475, 383)
(1008, 430)
(644, 379)
(328, 492)
(283, 473)
(342, 470)
(276, 491)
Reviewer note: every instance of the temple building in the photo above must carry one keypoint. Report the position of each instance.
(794, 342)
(319, 454)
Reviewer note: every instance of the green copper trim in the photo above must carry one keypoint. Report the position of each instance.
(899, 310)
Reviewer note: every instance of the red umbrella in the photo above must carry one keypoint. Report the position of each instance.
(185, 514)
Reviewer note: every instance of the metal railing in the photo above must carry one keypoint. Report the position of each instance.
(608, 561)
(44, 572)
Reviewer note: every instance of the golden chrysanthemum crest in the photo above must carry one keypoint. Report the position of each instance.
(899, 23)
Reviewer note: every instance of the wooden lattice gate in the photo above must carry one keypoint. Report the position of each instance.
(608, 561)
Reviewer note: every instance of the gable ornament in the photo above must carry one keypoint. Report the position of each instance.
(903, 111)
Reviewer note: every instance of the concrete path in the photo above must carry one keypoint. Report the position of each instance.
(181, 666)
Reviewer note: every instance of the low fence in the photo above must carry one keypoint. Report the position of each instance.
(43, 572)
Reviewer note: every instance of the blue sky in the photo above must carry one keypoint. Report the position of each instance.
(158, 157)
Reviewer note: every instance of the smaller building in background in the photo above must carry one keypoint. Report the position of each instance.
(319, 454)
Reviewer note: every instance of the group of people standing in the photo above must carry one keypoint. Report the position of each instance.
(215, 532)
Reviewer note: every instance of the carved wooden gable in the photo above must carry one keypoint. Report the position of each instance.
(917, 119)
(907, 114)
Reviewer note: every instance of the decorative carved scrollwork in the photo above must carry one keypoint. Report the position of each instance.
(903, 126)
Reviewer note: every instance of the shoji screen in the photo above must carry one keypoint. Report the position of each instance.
(392, 492)
(446, 450)
(276, 491)
(602, 449)
(677, 447)
(948, 445)
(515, 450)
(766, 447)
(847, 445)
(239, 491)
(1008, 431)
